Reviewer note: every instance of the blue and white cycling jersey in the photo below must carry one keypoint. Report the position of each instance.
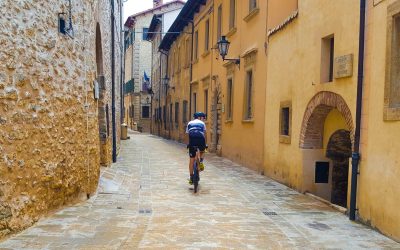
(196, 128)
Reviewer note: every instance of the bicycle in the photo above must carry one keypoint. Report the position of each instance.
(196, 172)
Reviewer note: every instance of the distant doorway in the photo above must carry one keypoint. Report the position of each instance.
(216, 120)
(339, 151)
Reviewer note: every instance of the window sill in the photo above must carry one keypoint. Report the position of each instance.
(391, 114)
(286, 139)
(248, 121)
(231, 32)
(230, 121)
(252, 14)
(206, 53)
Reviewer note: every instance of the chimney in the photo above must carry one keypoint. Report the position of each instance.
(157, 3)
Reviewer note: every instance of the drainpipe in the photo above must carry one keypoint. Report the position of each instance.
(159, 96)
(191, 71)
(166, 89)
(114, 132)
(122, 57)
(355, 158)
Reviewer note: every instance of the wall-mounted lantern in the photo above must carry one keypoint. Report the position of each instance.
(223, 48)
(166, 83)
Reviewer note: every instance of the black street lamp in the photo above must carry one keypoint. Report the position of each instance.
(223, 48)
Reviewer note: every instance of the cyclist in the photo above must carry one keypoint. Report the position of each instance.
(196, 130)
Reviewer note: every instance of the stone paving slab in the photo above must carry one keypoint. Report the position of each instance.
(144, 202)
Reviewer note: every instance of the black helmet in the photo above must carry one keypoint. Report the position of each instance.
(199, 114)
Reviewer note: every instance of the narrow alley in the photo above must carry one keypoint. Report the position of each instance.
(144, 201)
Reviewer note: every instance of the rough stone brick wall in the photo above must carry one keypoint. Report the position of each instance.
(49, 133)
(317, 110)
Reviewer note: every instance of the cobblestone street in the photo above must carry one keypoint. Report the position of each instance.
(144, 201)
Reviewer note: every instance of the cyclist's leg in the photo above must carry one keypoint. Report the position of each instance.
(192, 154)
(202, 148)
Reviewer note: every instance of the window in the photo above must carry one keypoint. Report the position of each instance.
(232, 14)
(219, 27)
(252, 5)
(194, 103)
(392, 81)
(327, 55)
(206, 102)
(184, 112)
(176, 114)
(248, 112)
(321, 172)
(187, 54)
(171, 63)
(207, 36)
(170, 114)
(145, 31)
(285, 122)
(196, 45)
(145, 111)
(164, 117)
(229, 101)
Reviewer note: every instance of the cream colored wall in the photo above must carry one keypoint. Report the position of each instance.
(179, 80)
(333, 122)
(240, 141)
(293, 74)
(378, 189)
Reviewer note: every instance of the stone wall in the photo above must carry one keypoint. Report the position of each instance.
(49, 132)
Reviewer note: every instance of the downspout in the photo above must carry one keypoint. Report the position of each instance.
(131, 97)
(122, 73)
(355, 158)
(114, 132)
(191, 72)
(159, 97)
(166, 89)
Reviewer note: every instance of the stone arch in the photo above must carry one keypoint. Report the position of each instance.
(311, 135)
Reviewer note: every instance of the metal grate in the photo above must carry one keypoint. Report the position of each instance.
(145, 211)
(269, 213)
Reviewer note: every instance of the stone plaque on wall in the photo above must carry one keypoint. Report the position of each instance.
(343, 66)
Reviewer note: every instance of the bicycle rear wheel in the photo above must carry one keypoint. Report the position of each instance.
(195, 177)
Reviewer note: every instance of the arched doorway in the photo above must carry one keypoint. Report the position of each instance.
(339, 151)
(216, 113)
(326, 139)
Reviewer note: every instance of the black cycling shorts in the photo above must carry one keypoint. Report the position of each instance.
(196, 142)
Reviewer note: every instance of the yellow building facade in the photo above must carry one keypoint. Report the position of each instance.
(290, 109)
(378, 189)
(311, 105)
(231, 95)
